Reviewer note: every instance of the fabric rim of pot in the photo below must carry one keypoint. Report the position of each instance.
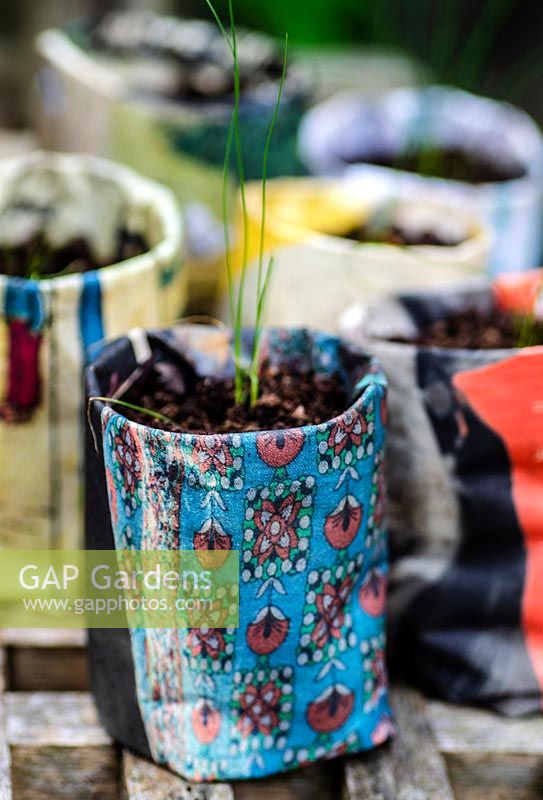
(480, 237)
(55, 45)
(373, 379)
(334, 107)
(159, 196)
(353, 317)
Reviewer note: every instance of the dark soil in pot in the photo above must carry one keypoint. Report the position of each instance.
(184, 59)
(36, 258)
(400, 237)
(208, 406)
(450, 164)
(471, 329)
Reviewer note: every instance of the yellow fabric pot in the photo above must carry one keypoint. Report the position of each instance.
(317, 273)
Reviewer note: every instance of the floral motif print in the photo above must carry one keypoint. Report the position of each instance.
(214, 462)
(277, 526)
(374, 669)
(318, 750)
(346, 440)
(209, 649)
(267, 631)
(205, 720)
(127, 464)
(262, 706)
(344, 522)
(377, 504)
(331, 709)
(372, 593)
(163, 662)
(303, 509)
(327, 627)
(212, 536)
(162, 479)
(279, 448)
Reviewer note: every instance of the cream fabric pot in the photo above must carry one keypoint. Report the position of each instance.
(49, 326)
(98, 104)
(318, 273)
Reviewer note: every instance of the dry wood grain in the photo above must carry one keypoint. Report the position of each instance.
(317, 782)
(141, 780)
(489, 756)
(45, 660)
(58, 748)
(5, 764)
(410, 768)
(471, 730)
(504, 777)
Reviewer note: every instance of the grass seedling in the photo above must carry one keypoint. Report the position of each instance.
(247, 380)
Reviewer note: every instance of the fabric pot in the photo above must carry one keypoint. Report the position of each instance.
(465, 484)
(318, 682)
(49, 326)
(318, 273)
(178, 142)
(350, 125)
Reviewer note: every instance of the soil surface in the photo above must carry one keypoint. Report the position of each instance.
(37, 259)
(472, 330)
(398, 236)
(452, 164)
(285, 402)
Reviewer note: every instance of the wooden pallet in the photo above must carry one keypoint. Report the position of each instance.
(52, 746)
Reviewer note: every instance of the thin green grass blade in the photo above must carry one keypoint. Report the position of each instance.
(239, 376)
(219, 23)
(254, 370)
(154, 414)
(225, 218)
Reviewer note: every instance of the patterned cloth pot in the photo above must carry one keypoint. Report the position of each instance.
(48, 326)
(307, 222)
(465, 481)
(178, 141)
(303, 677)
(352, 127)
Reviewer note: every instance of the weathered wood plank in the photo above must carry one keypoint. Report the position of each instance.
(5, 764)
(503, 777)
(32, 669)
(43, 637)
(410, 768)
(489, 756)
(141, 780)
(45, 660)
(58, 749)
(316, 782)
(471, 730)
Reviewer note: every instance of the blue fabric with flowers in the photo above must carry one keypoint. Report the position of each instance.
(303, 677)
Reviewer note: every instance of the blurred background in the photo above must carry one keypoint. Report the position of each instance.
(490, 46)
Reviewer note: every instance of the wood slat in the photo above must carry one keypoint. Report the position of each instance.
(5, 763)
(141, 780)
(489, 756)
(58, 749)
(45, 660)
(471, 730)
(410, 768)
(317, 782)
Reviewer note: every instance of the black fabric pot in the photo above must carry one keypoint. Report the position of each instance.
(465, 484)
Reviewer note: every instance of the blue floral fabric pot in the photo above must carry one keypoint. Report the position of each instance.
(303, 677)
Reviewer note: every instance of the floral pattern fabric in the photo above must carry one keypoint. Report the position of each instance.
(303, 677)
